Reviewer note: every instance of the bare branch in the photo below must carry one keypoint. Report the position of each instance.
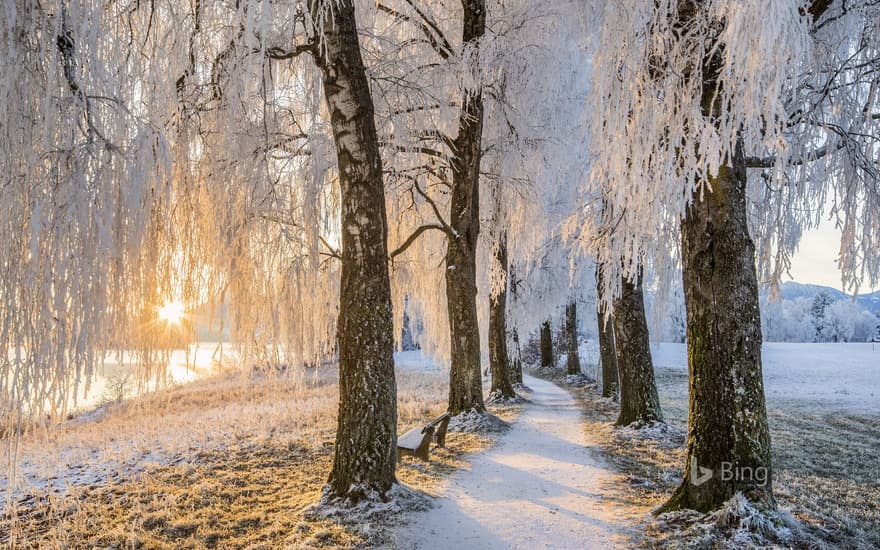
(412, 238)
(427, 26)
(280, 53)
(334, 253)
(285, 144)
(415, 149)
(435, 208)
(770, 162)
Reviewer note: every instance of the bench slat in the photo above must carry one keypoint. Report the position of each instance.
(411, 439)
(416, 442)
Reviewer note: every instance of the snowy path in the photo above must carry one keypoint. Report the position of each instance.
(538, 488)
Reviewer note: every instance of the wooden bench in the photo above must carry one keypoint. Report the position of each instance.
(417, 441)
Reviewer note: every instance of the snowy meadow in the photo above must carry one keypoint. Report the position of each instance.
(822, 406)
(822, 379)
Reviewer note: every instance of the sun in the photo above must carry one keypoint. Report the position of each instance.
(171, 312)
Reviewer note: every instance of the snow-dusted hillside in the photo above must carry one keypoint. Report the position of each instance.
(793, 290)
(871, 302)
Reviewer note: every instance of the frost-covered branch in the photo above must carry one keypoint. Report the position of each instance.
(794, 86)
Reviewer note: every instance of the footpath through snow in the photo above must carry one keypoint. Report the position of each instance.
(540, 487)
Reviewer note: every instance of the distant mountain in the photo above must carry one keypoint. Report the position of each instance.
(792, 291)
(871, 302)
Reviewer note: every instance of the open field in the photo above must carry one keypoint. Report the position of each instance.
(226, 462)
(813, 378)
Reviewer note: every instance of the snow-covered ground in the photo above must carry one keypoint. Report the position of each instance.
(206, 406)
(539, 488)
(542, 484)
(415, 361)
(815, 378)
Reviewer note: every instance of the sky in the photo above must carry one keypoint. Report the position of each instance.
(816, 259)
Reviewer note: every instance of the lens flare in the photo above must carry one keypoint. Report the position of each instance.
(171, 312)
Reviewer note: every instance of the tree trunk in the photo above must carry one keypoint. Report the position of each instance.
(546, 345)
(638, 392)
(571, 338)
(365, 455)
(728, 447)
(499, 363)
(407, 341)
(465, 381)
(516, 376)
(607, 355)
(727, 423)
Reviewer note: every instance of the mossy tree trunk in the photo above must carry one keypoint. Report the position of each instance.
(727, 413)
(607, 353)
(727, 421)
(365, 456)
(547, 359)
(571, 338)
(465, 380)
(638, 391)
(499, 362)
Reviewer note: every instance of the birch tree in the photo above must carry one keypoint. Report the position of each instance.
(163, 151)
(365, 454)
(499, 358)
(427, 139)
